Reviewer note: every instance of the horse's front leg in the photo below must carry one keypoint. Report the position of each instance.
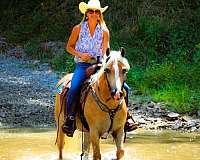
(118, 137)
(94, 137)
(86, 146)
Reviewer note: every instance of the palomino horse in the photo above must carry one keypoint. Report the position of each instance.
(104, 108)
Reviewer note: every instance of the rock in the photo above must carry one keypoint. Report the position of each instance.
(36, 62)
(177, 124)
(158, 107)
(152, 127)
(162, 125)
(163, 113)
(136, 105)
(172, 116)
(2, 115)
(174, 127)
(170, 122)
(184, 119)
(193, 129)
(157, 114)
(150, 104)
(191, 123)
(141, 121)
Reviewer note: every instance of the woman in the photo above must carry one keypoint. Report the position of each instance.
(88, 41)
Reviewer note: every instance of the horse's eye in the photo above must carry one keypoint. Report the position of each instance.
(106, 70)
(124, 71)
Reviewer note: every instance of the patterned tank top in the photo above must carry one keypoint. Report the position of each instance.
(88, 44)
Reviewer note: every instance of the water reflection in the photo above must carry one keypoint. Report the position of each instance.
(38, 144)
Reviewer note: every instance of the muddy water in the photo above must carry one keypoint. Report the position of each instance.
(38, 144)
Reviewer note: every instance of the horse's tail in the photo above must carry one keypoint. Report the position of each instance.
(58, 111)
(59, 100)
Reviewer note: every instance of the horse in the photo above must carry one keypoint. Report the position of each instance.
(104, 108)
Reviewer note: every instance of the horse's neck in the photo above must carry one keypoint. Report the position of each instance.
(102, 89)
(101, 85)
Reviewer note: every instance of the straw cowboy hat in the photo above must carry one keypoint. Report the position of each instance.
(92, 4)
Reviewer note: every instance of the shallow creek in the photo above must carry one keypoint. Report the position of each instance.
(38, 144)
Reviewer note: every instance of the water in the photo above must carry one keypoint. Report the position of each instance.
(38, 144)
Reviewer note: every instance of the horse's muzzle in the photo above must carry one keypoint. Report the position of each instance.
(116, 95)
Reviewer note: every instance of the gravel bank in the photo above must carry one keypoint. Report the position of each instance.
(26, 93)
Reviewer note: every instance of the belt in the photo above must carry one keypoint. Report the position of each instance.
(92, 61)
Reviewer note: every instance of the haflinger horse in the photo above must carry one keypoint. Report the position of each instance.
(104, 107)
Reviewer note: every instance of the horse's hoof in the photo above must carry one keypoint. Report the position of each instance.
(120, 154)
(97, 157)
(60, 157)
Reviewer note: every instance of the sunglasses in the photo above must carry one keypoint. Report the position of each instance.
(91, 11)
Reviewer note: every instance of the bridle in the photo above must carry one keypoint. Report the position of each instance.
(110, 88)
(102, 104)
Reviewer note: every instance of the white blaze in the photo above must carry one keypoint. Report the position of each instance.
(117, 78)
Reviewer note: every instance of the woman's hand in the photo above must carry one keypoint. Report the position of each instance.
(85, 56)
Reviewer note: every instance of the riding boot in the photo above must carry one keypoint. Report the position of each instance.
(69, 126)
(130, 124)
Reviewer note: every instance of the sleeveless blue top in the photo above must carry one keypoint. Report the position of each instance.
(87, 43)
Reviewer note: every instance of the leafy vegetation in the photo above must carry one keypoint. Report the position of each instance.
(161, 39)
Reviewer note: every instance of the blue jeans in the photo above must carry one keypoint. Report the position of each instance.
(127, 88)
(77, 80)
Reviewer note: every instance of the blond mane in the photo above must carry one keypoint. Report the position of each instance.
(115, 56)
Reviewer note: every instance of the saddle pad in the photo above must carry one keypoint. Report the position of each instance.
(60, 88)
(65, 82)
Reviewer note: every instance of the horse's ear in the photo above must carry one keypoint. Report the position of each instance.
(107, 52)
(122, 51)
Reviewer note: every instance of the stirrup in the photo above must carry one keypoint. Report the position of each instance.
(130, 126)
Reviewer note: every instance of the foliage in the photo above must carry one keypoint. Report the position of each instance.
(32, 47)
(63, 63)
(175, 83)
(178, 97)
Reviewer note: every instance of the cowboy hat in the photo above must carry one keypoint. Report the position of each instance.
(92, 4)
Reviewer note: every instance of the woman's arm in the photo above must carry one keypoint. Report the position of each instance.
(70, 45)
(106, 41)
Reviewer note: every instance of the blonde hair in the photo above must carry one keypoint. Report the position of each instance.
(100, 21)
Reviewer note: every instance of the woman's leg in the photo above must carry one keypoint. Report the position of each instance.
(77, 80)
(129, 125)
(127, 88)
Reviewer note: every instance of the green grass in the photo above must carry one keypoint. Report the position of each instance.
(177, 97)
(174, 83)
